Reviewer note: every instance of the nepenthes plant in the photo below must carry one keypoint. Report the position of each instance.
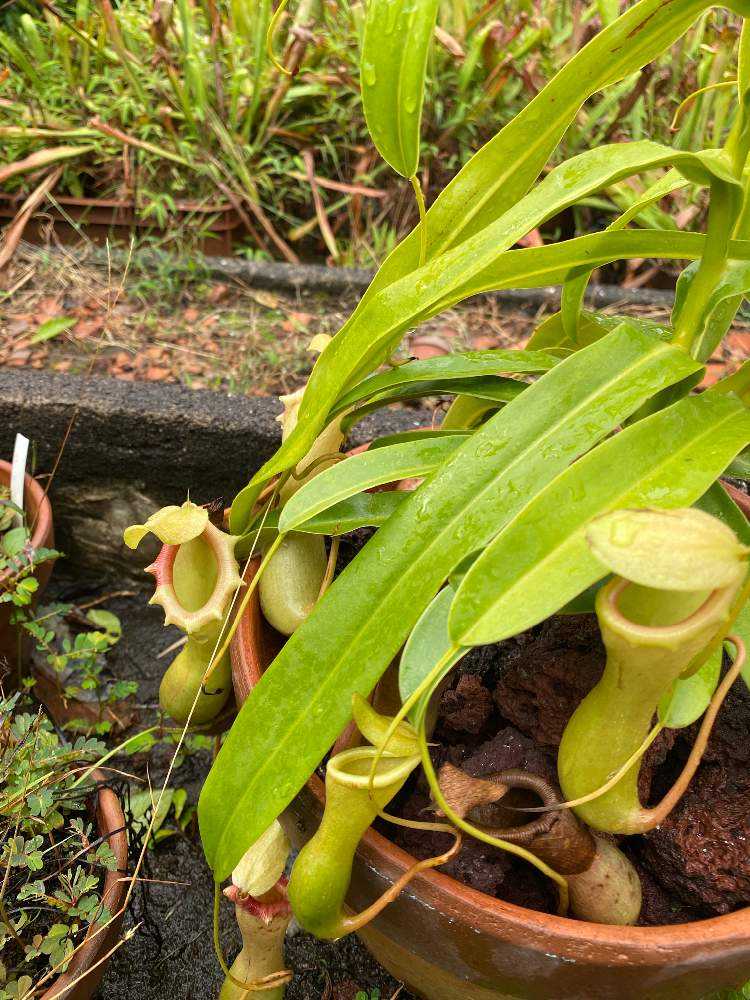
(540, 448)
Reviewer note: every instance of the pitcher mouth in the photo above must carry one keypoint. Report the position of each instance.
(273, 903)
(662, 634)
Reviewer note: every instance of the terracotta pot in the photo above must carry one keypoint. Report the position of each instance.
(106, 218)
(88, 965)
(449, 942)
(39, 513)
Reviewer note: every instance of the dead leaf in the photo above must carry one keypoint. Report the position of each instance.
(88, 327)
(428, 347)
(267, 299)
(217, 293)
(42, 158)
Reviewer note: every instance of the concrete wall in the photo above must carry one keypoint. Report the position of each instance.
(134, 447)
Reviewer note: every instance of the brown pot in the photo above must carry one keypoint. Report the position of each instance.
(449, 942)
(39, 513)
(103, 219)
(89, 963)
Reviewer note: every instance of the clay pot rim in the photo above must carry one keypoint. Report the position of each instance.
(36, 504)
(615, 944)
(110, 822)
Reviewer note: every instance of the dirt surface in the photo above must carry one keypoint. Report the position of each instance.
(507, 707)
(176, 324)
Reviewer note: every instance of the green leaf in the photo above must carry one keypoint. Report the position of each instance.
(418, 435)
(303, 701)
(574, 289)
(468, 365)
(721, 305)
(491, 388)
(142, 808)
(718, 503)
(416, 298)
(428, 643)
(395, 47)
(740, 467)
(359, 511)
(51, 328)
(552, 335)
(690, 696)
(14, 541)
(541, 560)
(361, 472)
(105, 620)
(466, 412)
(479, 264)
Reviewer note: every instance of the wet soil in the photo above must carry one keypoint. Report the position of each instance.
(507, 706)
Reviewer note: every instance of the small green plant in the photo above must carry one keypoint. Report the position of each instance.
(69, 644)
(74, 648)
(53, 859)
(18, 560)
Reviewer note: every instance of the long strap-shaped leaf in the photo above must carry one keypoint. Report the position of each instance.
(361, 472)
(361, 622)
(552, 336)
(487, 387)
(359, 511)
(541, 560)
(395, 45)
(463, 365)
(721, 305)
(429, 643)
(405, 303)
(506, 167)
(380, 320)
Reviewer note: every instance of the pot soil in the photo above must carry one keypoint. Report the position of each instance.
(89, 963)
(445, 938)
(39, 514)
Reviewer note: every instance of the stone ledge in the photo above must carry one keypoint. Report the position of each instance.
(134, 447)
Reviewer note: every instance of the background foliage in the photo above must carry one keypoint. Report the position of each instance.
(176, 102)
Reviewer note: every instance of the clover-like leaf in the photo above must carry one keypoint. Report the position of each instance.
(172, 525)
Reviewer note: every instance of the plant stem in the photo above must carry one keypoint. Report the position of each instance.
(478, 834)
(721, 219)
(419, 195)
